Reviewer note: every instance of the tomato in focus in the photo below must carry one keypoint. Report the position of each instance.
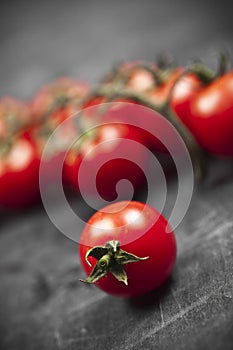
(140, 231)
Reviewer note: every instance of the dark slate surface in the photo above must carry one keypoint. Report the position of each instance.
(42, 303)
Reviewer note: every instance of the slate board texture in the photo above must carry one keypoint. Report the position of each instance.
(42, 303)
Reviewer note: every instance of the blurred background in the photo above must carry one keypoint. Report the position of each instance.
(40, 41)
(43, 305)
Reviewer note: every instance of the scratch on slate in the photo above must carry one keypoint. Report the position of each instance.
(175, 298)
(178, 303)
(161, 314)
(180, 314)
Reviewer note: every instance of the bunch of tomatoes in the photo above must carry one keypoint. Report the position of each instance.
(197, 101)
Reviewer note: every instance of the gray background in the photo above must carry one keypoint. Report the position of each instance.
(42, 303)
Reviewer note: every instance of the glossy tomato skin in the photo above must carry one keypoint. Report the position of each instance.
(141, 230)
(206, 109)
(185, 90)
(211, 116)
(19, 174)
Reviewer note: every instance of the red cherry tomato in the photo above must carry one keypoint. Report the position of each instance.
(19, 172)
(52, 144)
(157, 87)
(160, 93)
(205, 108)
(52, 105)
(132, 228)
(128, 111)
(180, 89)
(185, 89)
(136, 76)
(106, 156)
(58, 100)
(211, 116)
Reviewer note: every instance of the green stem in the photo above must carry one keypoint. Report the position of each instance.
(205, 74)
(223, 63)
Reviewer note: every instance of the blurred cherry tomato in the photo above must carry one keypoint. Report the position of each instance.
(52, 143)
(211, 116)
(103, 156)
(53, 104)
(125, 249)
(136, 76)
(205, 107)
(129, 111)
(161, 84)
(179, 89)
(19, 172)
(160, 93)
(58, 100)
(185, 89)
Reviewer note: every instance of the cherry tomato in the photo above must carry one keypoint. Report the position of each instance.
(19, 172)
(186, 88)
(136, 76)
(14, 115)
(161, 91)
(159, 85)
(58, 100)
(205, 107)
(211, 116)
(52, 105)
(179, 89)
(105, 155)
(127, 110)
(58, 139)
(125, 249)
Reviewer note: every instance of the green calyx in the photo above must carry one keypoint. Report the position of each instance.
(110, 260)
(207, 75)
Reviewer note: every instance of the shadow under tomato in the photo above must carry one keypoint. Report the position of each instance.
(6, 214)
